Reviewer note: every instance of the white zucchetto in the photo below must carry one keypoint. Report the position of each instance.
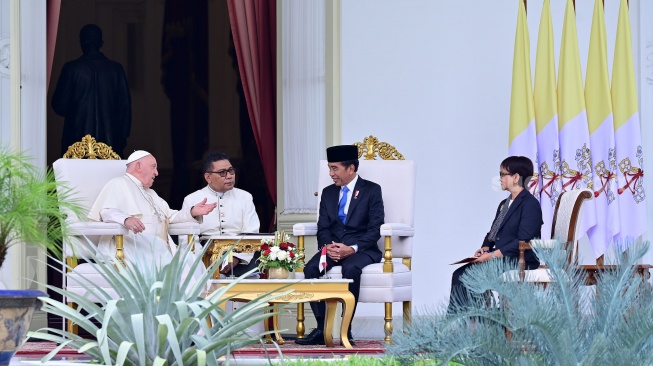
(138, 154)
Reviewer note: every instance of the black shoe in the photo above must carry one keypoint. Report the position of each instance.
(351, 338)
(315, 337)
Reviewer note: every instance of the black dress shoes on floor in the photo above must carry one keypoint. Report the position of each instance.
(315, 337)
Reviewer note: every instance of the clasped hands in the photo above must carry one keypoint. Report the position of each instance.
(484, 254)
(200, 209)
(339, 251)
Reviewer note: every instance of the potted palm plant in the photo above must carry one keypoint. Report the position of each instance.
(29, 213)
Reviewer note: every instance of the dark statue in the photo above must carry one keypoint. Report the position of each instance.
(93, 96)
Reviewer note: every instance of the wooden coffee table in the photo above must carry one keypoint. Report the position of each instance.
(330, 291)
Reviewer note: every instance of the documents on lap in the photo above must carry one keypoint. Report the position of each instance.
(465, 260)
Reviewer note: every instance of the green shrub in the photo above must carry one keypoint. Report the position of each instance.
(158, 318)
(565, 323)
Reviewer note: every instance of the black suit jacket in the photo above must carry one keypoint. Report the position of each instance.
(364, 218)
(522, 222)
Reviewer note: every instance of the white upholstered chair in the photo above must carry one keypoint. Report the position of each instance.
(392, 279)
(566, 220)
(87, 177)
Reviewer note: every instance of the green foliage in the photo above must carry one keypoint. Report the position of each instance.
(28, 199)
(564, 323)
(159, 316)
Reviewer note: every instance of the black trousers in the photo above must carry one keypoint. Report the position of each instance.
(460, 296)
(352, 268)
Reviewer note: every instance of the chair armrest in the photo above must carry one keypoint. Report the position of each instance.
(97, 228)
(184, 228)
(528, 245)
(397, 229)
(304, 229)
(523, 246)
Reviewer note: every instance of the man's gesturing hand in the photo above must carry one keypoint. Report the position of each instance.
(202, 208)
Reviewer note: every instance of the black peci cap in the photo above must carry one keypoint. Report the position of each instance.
(336, 154)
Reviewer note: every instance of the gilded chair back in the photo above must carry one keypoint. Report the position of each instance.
(88, 148)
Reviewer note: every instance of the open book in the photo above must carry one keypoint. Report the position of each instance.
(465, 260)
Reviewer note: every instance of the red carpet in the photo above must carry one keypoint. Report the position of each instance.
(289, 348)
(43, 348)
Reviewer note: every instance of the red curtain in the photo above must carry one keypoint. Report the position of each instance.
(53, 8)
(254, 24)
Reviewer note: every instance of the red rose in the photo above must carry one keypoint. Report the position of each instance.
(283, 246)
(266, 252)
(264, 247)
(292, 255)
(291, 245)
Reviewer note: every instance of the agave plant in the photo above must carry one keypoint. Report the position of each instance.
(565, 323)
(28, 199)
(158, 316)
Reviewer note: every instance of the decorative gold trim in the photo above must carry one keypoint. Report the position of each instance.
(371, 146)
(91, 149)
(293, 296)
(219, 246)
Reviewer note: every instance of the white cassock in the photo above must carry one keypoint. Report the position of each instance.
(124, 197)
(234, 214)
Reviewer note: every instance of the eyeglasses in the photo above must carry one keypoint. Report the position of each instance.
(502, 174)
(223, 173)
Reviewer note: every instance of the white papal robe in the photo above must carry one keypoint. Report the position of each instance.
(126, 196)
(234, 214)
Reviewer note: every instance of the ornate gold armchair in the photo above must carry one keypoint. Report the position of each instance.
(86, 172)
(391, 280)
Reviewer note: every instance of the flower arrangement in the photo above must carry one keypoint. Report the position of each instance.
(278, 252)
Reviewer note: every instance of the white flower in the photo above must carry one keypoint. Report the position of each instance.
(273, 256)
(282, 255)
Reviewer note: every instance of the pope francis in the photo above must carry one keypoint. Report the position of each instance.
(130, 201)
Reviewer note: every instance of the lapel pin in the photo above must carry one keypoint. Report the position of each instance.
(355, 194)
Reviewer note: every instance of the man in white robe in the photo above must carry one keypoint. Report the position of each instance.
(130, 201)
(234, 213)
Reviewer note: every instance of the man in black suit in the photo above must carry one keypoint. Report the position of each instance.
(350, 218)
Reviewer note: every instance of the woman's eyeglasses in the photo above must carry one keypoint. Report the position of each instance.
(501, 174)
(223, 173)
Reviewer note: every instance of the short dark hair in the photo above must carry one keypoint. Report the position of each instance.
(212, 158)
(347, 163)
(519, 165)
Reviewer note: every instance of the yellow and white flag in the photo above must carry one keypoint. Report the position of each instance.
(601, 127)
(522, 110)
(575, 156)
(627, 133)
(546, 120)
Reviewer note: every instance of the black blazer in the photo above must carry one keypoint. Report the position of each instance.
(522, 222)
(364, 218)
